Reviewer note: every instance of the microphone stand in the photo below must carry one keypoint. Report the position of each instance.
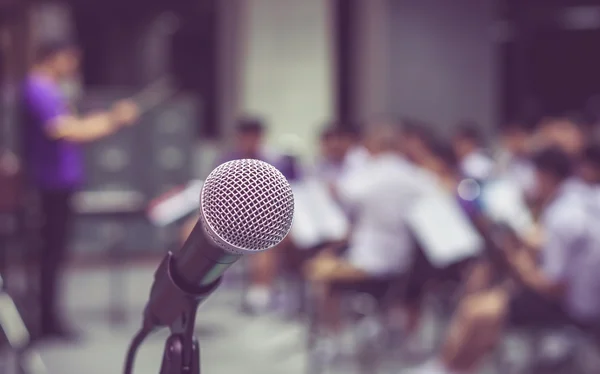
(182, 353)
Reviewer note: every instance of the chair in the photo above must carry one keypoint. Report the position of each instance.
(365, 305)
(376, 344)
(555, 349)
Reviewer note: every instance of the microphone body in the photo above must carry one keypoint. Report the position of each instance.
(187, 276)
(246, 206)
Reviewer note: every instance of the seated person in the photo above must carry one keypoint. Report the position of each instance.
(379, 243)
(356, 155)
(440, 159)
(414, 141)
(560, 288)
(468, 145)
(564, 132)
(513, 156)
(249, 144)
(340, 148)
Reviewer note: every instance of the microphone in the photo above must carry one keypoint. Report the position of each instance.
(246, 206)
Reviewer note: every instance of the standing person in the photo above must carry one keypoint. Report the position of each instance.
(52, 137)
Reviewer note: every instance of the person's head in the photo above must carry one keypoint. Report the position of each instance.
(414, 139)
(515, 137)
(60, 58)
(568, 134)
(467, 138)
(350, 135)
(381, 138)
(552, 167)
(441, 158)
(589, 164)
(332, 143)
(250, 136)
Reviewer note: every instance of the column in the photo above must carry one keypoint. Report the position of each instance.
(287, 68)
(371, 65)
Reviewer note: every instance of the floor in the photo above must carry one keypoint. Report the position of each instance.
(231, 342)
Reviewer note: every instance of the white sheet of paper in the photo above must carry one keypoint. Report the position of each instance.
(504, 202)
(177, 206)
(317, 217)
(305, 232)
(443, 229)
(328, 214)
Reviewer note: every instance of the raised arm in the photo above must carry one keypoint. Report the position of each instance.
(59, 123)
(94, 126)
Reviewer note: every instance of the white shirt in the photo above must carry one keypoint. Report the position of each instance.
(518, 170)
(477, 165)
(381, 195)
(522, 173)
(572, 250)
(351, 173)
(356, 158)
(327, 171)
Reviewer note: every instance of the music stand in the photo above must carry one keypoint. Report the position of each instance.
(118, 208)
(11, 322)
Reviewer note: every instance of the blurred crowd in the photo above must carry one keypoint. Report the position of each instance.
(537, 269)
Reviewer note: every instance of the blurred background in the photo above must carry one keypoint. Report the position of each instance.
(296, 73)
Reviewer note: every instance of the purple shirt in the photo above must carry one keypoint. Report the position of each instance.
(53, 164)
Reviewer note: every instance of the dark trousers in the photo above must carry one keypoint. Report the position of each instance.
(57, 214)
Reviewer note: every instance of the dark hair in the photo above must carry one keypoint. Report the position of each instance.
(443, 150)
(555, 161)
(250, 126)
(50, 48)
(515, 126)
(591, 155)
(579, 120)
(329, 132)
(349, 129)
(416, 128)
(352, 129)
(470, 130)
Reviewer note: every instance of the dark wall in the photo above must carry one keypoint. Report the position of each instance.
(122, 47)
(552, 60)
(443, 61)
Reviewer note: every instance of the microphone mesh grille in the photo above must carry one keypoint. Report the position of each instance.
(248, 205)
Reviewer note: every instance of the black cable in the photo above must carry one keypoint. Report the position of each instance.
(135, 344)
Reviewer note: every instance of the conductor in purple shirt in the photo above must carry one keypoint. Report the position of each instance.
(52, 139)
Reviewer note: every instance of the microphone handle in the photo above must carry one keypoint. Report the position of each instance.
(200, 262)
(186, 278)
